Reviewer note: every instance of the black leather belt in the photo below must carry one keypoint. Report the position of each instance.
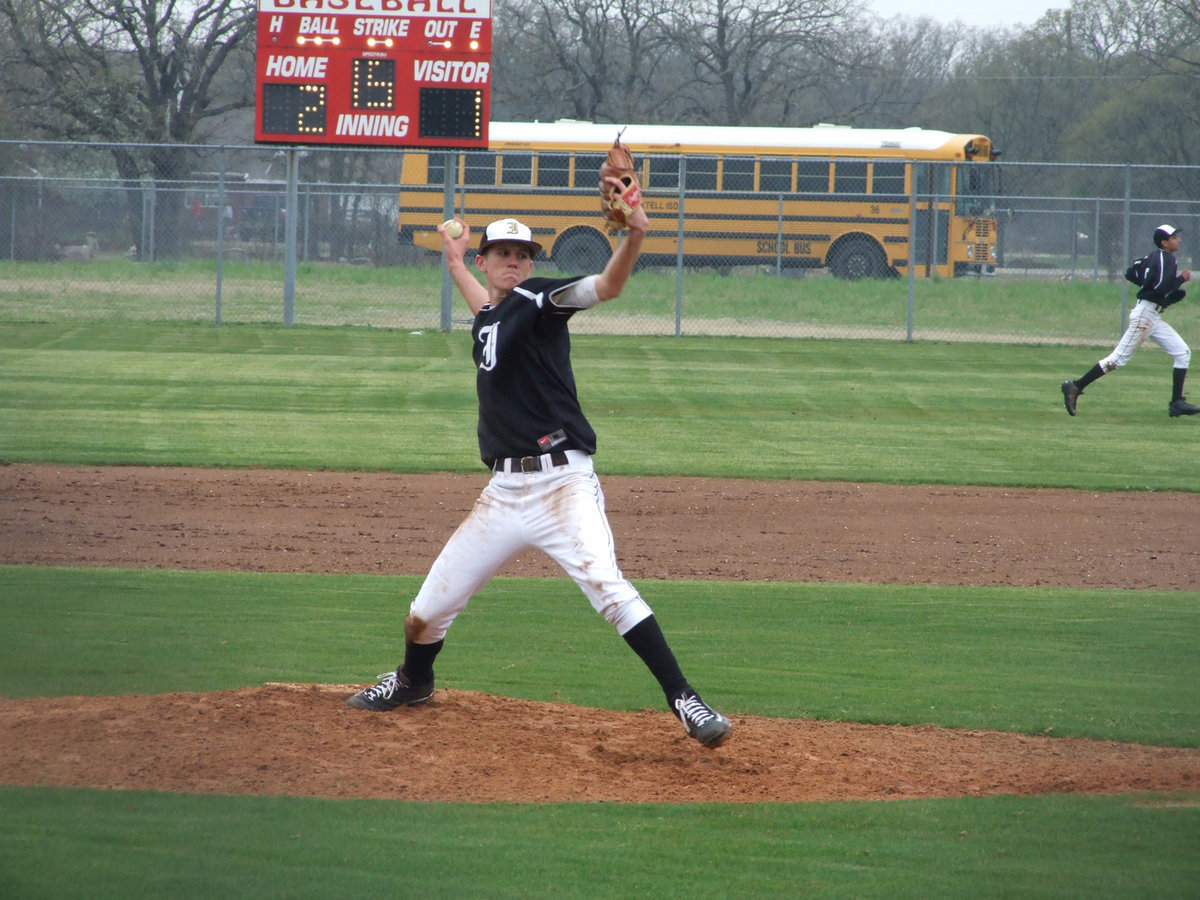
(529, 463)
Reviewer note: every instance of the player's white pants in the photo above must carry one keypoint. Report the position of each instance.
(1147, 322)
(561, 512)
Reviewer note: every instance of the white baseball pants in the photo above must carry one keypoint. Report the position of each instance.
(559, 511)
(1147, 322)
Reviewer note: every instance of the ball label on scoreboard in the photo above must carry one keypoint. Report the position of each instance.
(374, 72)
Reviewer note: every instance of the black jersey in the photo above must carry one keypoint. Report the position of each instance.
(1162, 281)
(526, 387)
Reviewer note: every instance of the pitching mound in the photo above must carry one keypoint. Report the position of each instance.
(301, 740)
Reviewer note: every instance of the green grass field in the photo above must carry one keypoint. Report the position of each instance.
(750, 301)
(1108, 664)
(390, 400)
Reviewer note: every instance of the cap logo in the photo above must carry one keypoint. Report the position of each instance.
(509, 230)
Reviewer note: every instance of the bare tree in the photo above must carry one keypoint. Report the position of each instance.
(1171, 33)
(745, 56)
(135, 71)
(580, 59)
(889, 72)
(1171, 44)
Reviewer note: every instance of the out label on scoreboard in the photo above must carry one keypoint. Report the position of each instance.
(402, 73)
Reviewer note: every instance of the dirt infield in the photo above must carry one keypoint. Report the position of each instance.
(301, 739)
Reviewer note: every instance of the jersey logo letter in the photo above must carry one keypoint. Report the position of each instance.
(487, 335)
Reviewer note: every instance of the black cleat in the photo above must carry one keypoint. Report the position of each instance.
(1181, 407)
(1070, 395)
(394, 690)
(703, 723)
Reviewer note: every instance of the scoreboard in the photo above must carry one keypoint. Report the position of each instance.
(400, 73)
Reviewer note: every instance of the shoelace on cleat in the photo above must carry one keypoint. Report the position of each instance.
(693, 711)
(385, 688)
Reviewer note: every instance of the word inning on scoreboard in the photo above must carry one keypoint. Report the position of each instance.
(404, 73)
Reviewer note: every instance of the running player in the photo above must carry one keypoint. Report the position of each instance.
(543, 492)
(1160, 289)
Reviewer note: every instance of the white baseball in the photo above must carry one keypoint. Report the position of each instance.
(453, 228)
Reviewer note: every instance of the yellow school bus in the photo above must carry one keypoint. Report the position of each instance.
(861, 202)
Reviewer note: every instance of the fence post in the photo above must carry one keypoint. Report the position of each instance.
(448, 179)
(779, 241)
(1125, 245)
(220, 230)
(912, 247)
(289, 238)
(149, 198)
(679, 249)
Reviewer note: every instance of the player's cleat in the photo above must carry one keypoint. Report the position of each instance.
(1181, 407)
(1070, 394)
(394, 690)
(702, 722)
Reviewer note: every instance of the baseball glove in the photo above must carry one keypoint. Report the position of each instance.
(618, 203)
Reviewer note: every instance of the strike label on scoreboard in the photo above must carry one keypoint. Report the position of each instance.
(401, 73)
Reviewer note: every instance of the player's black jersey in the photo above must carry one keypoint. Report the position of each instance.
(526, 387)
(1162, 279)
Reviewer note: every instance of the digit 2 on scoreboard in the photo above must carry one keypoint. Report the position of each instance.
(297, 109)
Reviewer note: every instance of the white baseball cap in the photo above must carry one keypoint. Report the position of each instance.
(1162, 232)
(509, 230)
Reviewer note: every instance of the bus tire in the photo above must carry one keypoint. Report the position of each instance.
(581, 251)
(858, 257)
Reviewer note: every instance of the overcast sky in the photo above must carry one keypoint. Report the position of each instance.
(1004, 14)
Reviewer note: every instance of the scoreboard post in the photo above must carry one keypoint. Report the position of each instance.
(386, 73)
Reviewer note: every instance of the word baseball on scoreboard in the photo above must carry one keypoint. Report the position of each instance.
(402, 73)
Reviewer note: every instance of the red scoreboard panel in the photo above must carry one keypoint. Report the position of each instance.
(398, 73)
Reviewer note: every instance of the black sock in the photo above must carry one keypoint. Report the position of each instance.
(1177, 385)
(418, 661)
(648, 642)
(1092, 374)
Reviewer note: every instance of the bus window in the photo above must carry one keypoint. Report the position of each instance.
(664, 173)
(775, 176)
(921, 183)
(887, 178)
(702, 173)
(554, 169)
(480, 168)
(737, 173)
(849, 177)
(812, 177)
(977, 187)
(976, 180)
(587, 167)
(516, 168)
(943, 179)
(436, 168)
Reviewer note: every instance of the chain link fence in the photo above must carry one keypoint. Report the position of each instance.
(211, 245)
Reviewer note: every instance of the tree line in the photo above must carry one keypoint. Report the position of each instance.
(1111, 81)
(1098, 81)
